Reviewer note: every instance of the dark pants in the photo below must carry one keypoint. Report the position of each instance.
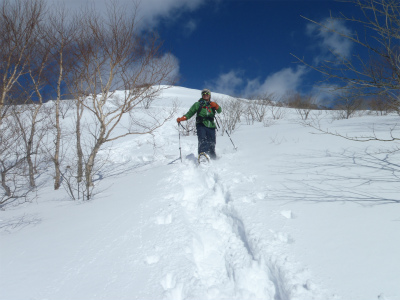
(207, 140)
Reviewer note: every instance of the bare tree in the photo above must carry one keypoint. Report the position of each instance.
(32, 122)
(381, 105)
(231, 113)
(303, 104)
(22, 64)
(21, 69)
(113, 57)
(378, 72)
(277, 110)
(258, 107)
(32, 118)
(15, 183)
(248, 114)
(60, 36)
(19, 22)
(10, 158)
(347, 104)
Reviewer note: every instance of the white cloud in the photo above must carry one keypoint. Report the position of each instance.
(148, 14)
(150, 11)
(153, 10)
(226, 83)
(279, 83)
(174, 63)
(190, 27)
(329, 38)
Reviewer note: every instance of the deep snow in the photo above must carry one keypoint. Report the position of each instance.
(290, 215)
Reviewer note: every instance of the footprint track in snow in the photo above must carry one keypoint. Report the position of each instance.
(164, 219)
(152, 259)
(173, 289)
(231, 261)
(226, 266)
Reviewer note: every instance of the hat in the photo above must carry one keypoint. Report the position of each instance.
(204, 91)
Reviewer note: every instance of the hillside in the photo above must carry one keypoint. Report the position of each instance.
(292, 214)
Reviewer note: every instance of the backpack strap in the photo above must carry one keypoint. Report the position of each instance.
(200, 119)
(201, 104)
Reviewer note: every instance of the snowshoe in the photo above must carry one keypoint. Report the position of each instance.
(203, 158)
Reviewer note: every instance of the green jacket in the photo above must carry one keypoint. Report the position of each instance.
(206, 115)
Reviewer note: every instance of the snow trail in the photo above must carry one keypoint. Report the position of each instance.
(225, 265)
(230, 261)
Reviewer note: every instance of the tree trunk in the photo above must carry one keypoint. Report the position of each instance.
(90, 163)
(4, 184)
(57, 177)
(79, 152)
(29, 159)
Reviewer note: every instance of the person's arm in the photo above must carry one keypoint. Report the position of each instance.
(190, 113)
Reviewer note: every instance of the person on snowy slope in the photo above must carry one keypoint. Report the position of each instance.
(205, 124)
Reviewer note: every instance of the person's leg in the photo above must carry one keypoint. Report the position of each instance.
(202, 138)
(212, 140)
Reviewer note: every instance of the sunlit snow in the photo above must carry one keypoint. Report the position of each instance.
(290, 214)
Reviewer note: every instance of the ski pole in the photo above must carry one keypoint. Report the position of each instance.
(180, 148)
(183, 126)
(228, 135)
(231, 139)
(216, 120)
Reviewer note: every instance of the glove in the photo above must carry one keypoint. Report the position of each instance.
(181, 119)
(214, 105)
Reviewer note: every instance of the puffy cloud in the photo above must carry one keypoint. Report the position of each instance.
(153, 10)
(149, 11)
(278, 83)
(330, 40)
(173, 61)
(226, 83)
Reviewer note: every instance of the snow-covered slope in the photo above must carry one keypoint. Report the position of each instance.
(289, 215)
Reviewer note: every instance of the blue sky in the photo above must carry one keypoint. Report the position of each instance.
(242, 47)
(235, 46)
